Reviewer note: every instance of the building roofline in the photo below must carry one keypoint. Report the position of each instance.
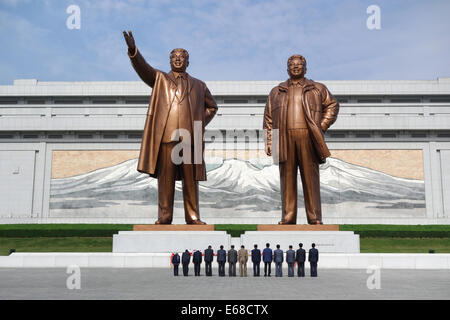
(33, 87)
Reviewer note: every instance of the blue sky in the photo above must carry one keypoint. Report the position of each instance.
(227, 39)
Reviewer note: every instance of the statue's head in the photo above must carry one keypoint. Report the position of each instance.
(296, 66)
(179, 60)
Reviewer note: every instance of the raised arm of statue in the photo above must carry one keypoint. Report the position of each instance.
(143, 69)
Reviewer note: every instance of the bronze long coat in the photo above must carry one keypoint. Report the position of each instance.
(202, 108)
(320, 110)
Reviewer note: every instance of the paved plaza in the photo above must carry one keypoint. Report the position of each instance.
(161, 284)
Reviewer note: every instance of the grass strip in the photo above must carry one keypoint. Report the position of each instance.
(58, 244)
(104, 244)
(62, 230)
(404, 245)
(235, 230)
(398, 231)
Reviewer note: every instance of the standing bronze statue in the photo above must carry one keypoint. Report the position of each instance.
(301, 110)
(178, 102)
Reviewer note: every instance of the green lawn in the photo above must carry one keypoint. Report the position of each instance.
(398, 231)
(104, 244)
(62, 230)
(60, 244)
(404, 245)
(235, 230)
(98, 237)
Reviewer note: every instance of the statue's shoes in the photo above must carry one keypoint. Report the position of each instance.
(199, 222)
(286, 222)
(162, 222)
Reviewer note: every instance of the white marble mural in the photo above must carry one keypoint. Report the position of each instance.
(238, 188)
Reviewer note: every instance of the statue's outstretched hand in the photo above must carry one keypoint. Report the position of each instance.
(130, 41)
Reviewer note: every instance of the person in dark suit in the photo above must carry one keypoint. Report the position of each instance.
(256, 259)
(290, 259)
(232, 259)
(221, 259)
(185, 260)
(176, 263)
(209, 257)
(278, 259)
(313, 258)
(267, 258)
(300, 257)
(197, 260)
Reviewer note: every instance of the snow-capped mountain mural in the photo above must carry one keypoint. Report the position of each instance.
(238, 187)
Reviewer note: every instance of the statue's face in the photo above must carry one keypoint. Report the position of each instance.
(296, 68)
(178, 61)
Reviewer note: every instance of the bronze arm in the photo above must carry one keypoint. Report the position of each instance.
(330, 108)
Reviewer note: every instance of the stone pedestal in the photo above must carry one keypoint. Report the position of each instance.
(168, 241)
(326, 241)
(297, 227)
(173, 227)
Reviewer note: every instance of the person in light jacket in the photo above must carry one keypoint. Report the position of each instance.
(278, 259)
(243, 258)
(290, 259)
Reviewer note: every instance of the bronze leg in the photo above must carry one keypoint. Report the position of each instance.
(190, 195)
(166, 184)
(288, 184)
(309, 172)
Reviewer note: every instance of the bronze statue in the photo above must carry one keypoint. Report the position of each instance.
(301, 110)
(178, 101)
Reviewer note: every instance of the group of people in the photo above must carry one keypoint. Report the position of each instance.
(233, 256)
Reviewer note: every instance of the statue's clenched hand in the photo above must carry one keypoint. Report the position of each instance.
(130, 41)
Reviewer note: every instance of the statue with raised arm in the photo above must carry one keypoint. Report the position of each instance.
(180, 107)
(301, 110)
